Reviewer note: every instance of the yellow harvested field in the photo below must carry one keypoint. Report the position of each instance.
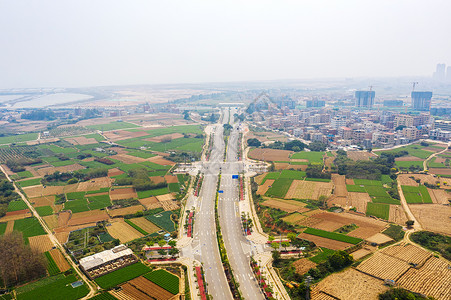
(262, 189)
(339, 182)
(165, 197)
(360, 155)
(397, 215)
(433, 217)
(324, 242)
(81, 140)
(301, 189)
(43, 201)
(150, 203)
(51, 221)
(94, 184)
(40, 243)
(286, 205)
(294, 218)
(9, 227)
(439, 196)
(59, 259)
(359, 201)
(405, 179)
(303, 265)
(122, 231)
(432, 279)
(62, 237)
(384, 266)
(92, 216)
(270, 154)
(258, 179)
(50, 170)
(126, 193)
(361, 253)
(125, 211)
(349, 285)
(128, 159)
(39, 190)
(63, 218)
(144, 224)
(408, 253)
(379, 238)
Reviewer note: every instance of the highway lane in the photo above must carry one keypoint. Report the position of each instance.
(237, 246)
(205, 245)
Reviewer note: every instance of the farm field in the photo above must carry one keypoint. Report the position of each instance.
(433, 217)
(119, 276)
(309, 190)
(29, 227)
(416, 194)
(379, 210)
(163, 220)
(40, 243)
(143, 288)
(59, 259)
(333, 235)
(122, 231)
(286, 205)
(324, 242)
(165, 280)
(312, 157)
(112, 126)
(279, 188)
(270, 154)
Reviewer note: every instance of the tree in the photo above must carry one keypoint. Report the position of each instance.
(271, 238)
(275, 245)
(317, 146)
(340, 259)
(162, 252)
(291, 236)
(295, 146)
(285, 244)
(410, 223)
(173, 252)
(161, 243)
(172, 243)
(253, 143)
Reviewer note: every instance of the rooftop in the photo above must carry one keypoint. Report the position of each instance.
(103, 257)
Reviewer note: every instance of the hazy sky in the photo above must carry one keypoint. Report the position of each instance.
(86, 43)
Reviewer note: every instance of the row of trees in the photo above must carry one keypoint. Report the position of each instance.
(140, 180)
(294, 145)
(18, 165)
(372, 169)
(74, 177)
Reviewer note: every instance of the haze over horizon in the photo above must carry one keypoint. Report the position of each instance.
(85, 43)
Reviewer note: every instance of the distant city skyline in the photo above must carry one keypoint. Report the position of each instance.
(83, 43)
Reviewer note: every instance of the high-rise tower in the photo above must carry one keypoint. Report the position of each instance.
(439, 73)
(364, 98)
(421, 100)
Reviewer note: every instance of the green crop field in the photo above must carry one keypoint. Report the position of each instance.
(162, 220)
(355, 188)
(174, 187)
(311, 156)
(103, 296)
(414, 150)
(407, 164)
(51, 265)
(17, 205)
(129, 222)
(25, 174)
(98, 202)
(112, 126)
(164, 279)
(413, 198)
(376, 191)
(196, 129)
(52, 288)
(150, 193)
(125, 274)
(385, 179)
(279, 188)
(317, 179)
(425, 194)
(18, 138)
(29, 227)
(367, 182)
(44, 210)
(410, 189)
(386, 200)
(379, 210)
(75, 196)
(141, 154)
(29, 182)
(102, 190)
(271, 175)
(322, 256)
(333, 236)
(291, 174)
(3, 227)
(76, 205)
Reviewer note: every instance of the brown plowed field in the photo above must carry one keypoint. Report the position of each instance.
(94, 184)
(294, 218)
(16, 213)
(442, 171)
(122, 231)
(16, 217)
(349, 181)
(262, 189)
(318, 295)
(39, 190)
(361, 253)
(340, 185)
(303, 265)
(408, 253)
(43, 201)
(62, 237)
(328, 225)
(9, 227)
(161, 161)
(115, 172)
(63, 218)
(270, 154)
(151, 289)
(379, 238)
(41, 243)
(85, 217)
(128, 159)
(127, 193)
(405, 179)
(144, 224)
(169, 205)
(286, 205)
(440, 196)
(134, 293)
(59, 259)
(408, 158)
(150, 203)
(165, 197)
(62, 169)
(323, 242)
(431, 179)
(337, 201)
(171, 179)
(51, 221)
(433, 217)
(81, 140)
(258, 179)
(301, 189)
(359, 201)
(397, 215)
(350, 285)
(157, 179)
(360, 155)
(432, 279)
(383, 266)
(125, 211)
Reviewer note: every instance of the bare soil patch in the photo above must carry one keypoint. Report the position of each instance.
(59, 259)
(294, 218)
(122, 231)
(270, 154)
(127, 159)
(40, 243)
(127, 193)
(81, 140)
(303, 265)
(286, 205)
(430, 178)
(161, 161)
(433, 217)
(361, 253)
(397, 215)
(439, 196)
(323, 242)
(125, 211)
(115, 172)
(9, 227)
(62, 169)
(301, 189)
(150, 203)
(262, 189)
(339, 182)
(94, 184)
(359, 201)
(86, 217)
(51, 221)
(405, 179)
(63, 218)
(171, 179)
(165, 137)
(144, 224)
(43, 201)
(444, 171)
(360, 155)
(258, 179)
(349, 181)
(408, 158)
(350, 285)
(157, 179)
(16, 213)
